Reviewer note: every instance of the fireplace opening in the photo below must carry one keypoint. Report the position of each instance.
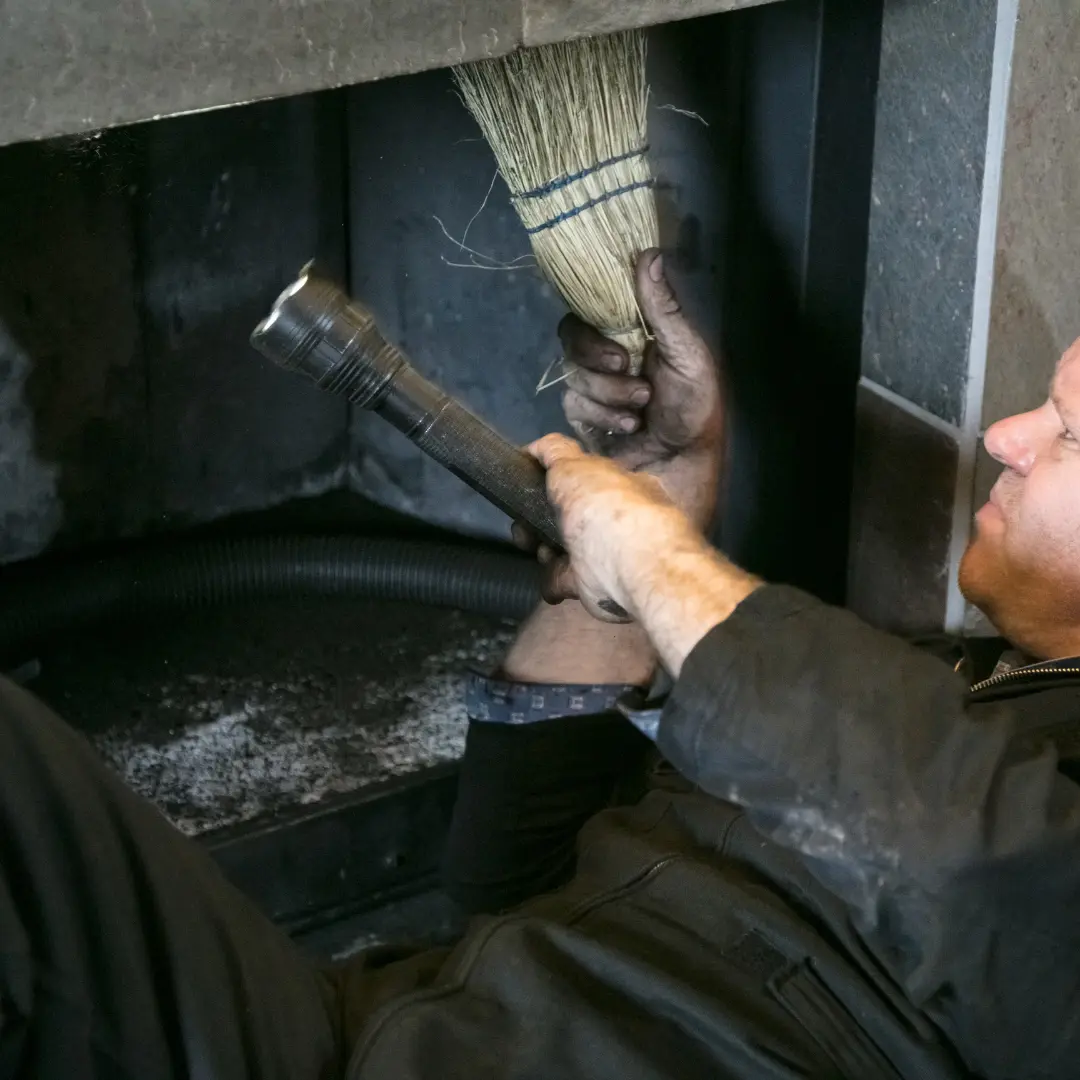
(308, 738)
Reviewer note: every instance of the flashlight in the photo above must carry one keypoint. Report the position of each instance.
(314, 328)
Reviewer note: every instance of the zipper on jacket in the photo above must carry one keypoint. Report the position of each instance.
(1022, 673)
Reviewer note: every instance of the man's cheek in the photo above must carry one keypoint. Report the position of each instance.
(1048, 512)
(1039, 538)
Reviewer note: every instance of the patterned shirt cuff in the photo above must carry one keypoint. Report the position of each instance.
(493, 701)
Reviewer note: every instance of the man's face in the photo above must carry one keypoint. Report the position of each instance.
(1023, 564)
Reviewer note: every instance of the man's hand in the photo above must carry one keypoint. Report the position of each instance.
(668, 422)
(671, 422)
(633, 552)
(613, 523)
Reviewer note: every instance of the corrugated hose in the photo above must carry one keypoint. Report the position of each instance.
(42, 597)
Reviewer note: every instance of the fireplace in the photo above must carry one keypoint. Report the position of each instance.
(136, 422)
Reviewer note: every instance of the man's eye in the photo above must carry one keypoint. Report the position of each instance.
(1067, 436)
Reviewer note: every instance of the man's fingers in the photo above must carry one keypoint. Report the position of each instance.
(614, 391)
(521, 536)
(554, 448)
(581, 410)
(680, 344)
(559, 582)
(585, 347)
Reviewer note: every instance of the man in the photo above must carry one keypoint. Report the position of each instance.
(866, 869)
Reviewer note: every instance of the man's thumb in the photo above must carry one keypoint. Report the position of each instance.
(677, 339)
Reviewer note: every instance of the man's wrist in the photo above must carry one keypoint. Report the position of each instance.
(686, 590)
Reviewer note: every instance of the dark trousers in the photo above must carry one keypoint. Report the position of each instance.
(124, 952)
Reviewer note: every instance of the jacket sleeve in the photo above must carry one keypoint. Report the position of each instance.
(957, 853)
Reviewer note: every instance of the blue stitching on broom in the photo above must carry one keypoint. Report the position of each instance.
(564, 181)
(559, 218)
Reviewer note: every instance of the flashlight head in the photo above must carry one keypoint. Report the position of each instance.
(299, 331)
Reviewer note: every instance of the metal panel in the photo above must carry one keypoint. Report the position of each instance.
(72, 386)
(794, 302)
(132, 269)
(484, 336)
(233, 204)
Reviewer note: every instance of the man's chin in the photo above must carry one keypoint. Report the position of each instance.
(980, 576)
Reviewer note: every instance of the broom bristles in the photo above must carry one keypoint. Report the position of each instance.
(567, 124)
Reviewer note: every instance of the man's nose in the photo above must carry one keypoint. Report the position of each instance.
(1012, 442)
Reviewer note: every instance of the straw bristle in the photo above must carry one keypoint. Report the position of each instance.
(567, 124)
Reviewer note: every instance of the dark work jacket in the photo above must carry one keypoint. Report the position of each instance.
(871, 873)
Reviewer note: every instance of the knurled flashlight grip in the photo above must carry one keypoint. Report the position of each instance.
(316, 329)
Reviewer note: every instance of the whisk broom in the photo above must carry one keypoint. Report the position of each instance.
(567, 124)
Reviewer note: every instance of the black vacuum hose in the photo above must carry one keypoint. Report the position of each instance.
(40, 598)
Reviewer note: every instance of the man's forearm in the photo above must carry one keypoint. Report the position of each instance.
(678, 596)
(681, 594)
(565, 644)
